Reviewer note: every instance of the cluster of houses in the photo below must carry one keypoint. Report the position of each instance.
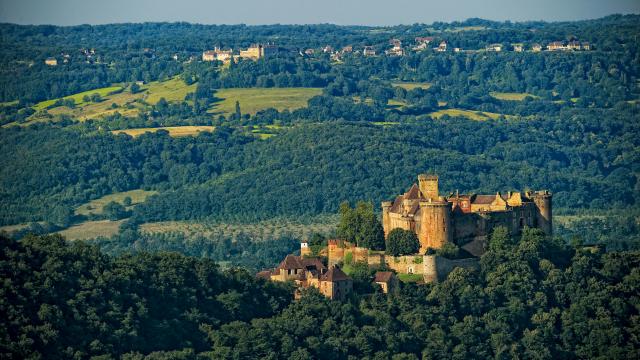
(253, 52)
(306, 271)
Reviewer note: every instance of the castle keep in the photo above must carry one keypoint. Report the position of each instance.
(464, 219)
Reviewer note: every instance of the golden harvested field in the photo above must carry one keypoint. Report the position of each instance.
(95, 206)
(411, 85)
(473, 115)
(91, 229)
(511, 96)
(271, 229)
(253, 100)
(175, 131)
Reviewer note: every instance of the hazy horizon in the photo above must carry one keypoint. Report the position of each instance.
(258, 12)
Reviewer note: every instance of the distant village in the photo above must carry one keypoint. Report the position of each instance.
(395, 48)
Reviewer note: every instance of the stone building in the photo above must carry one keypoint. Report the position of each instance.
(308, 272)
(387, 280)
(464, 219)
(259, 51)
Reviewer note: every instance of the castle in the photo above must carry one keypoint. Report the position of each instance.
(463, 219)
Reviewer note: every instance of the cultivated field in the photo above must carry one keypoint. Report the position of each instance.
(253, 100)
(175, 131)
(95, 206)
(411, 85)
(91, 229)
(511, 96)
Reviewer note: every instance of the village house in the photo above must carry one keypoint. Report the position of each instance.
(308, 272)
(494, 47)
(422, 42)
(442, 47)
(217, 55)
(51, 61)
(387, 280)
(397, 49)
(536, 47)
(556, 46)
(369, 51)
(518, 47)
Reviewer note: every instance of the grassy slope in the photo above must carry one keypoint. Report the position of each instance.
(473, 115)
(511, 96)
(78, 97)
(175, 131)
(411, 85)
(253, 100)
(91, 229)
(95, 206)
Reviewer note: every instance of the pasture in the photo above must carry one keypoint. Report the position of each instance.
(511, 96)
(174, 131)
(95, 206)
(91, 229)
(78, 98)
(253, 100)
(411, 85)
(472, 115)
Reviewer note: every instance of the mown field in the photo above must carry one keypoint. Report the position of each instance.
(411, 85)
(91, 229)
(253, 100)
(95, 206)
(472, 115)
(512, 96)
(175, 131)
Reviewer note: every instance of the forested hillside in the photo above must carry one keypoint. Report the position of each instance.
(533, 298)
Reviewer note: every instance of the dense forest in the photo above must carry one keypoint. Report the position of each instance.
(533, 297)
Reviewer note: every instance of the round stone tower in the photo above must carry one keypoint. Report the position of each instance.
(386, 221)
(435, 223)
(542, 199)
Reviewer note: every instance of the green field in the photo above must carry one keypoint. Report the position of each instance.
(511, 96)
(473, 115)
(126, 103)
(103, 92)
(174, 131)
(253, 100)
(171, 90)
(95, 206)
(91, 229)
(411, 85)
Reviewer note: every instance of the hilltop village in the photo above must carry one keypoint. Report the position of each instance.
(259, 51)
(396, 48)
(465, 220)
